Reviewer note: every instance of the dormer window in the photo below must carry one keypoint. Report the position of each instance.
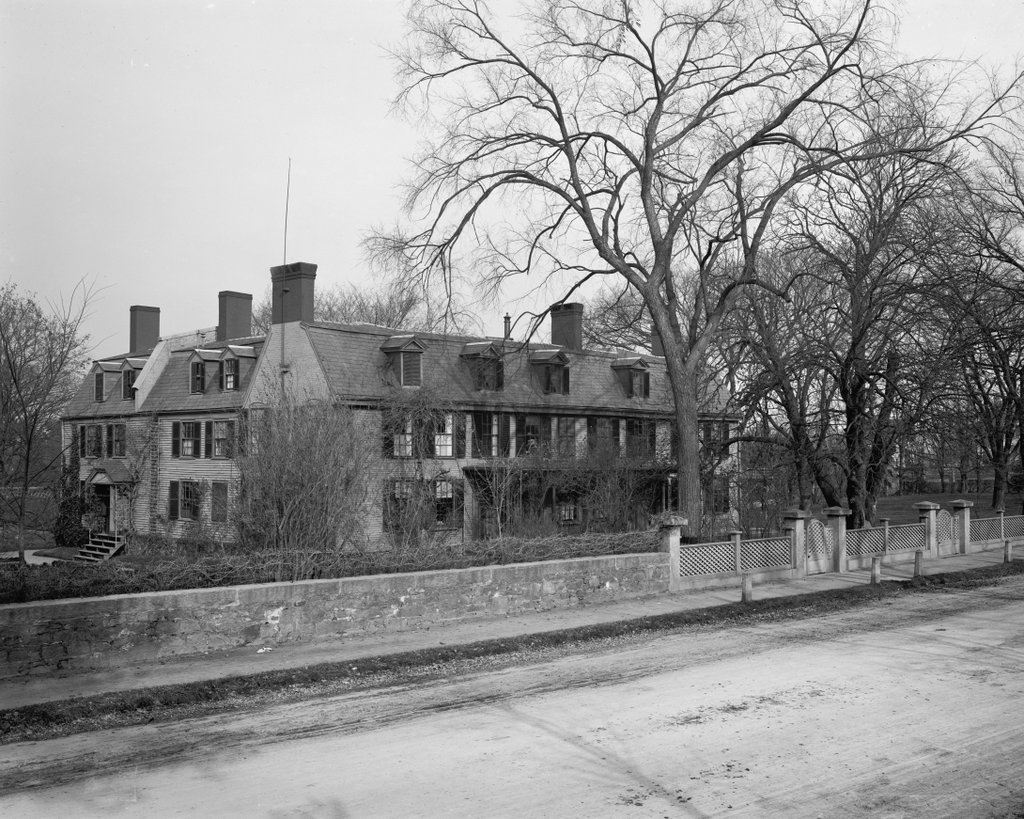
(127, 383)
(98, 386)
(406, 356)
(229, 374)
(197, 378)
(634, 376)
(553, 366)
(485, 365)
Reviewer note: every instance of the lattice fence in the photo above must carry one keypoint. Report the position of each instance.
(707, 558)
(943, 528)
(766, 553)
(908, 537)
(1013, 526)
(983, 529)
(865, 542)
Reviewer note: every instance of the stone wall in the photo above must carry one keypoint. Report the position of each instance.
(121, 630)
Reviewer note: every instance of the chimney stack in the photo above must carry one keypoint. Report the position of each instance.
(292, 292)
(234, 315)
(567, 325)
(143, 328)
(508, 326)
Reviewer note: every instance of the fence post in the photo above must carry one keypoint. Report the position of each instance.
(885, 535)
(837, 525)
(927, 512)
(1007, 551)
(748, 589)
(962, 513)
(918, 562)
(1002, 531)
(876, 570)
(737, 548)
(670, 544)
(795, 521)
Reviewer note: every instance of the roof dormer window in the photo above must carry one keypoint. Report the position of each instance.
(229, 374)
(553, 368)
(98, 386)
(197, 377)
(127, 384)
(634, 375)
(485, 365)
(406, 356)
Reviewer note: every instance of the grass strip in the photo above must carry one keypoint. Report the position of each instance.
(145, 705)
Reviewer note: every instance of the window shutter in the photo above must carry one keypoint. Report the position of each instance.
(411, 373)
(387, 431)
(499, 375)
(647, 385)
(504, 433)
(520, 434)
(176, 439)
(197, 429)
(209, 439)
(81, 441)
(110, 440)
(223, 366)
(172, 512)
(230, 444)
(565, 380)
(458, 504)
(459, 422)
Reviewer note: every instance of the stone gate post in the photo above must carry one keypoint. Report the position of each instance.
(926, 511)
(837, 525)
(795, 521)
(962, 524)
(670, 543)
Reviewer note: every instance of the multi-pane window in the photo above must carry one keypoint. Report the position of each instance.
(223, 438)
(116, 440)
(411, 368)
(556, 379)
(185, 439)
(98, 386)
(568, 512)
(639, 384)
(403, 439)
(218, 502)
(183, 500)
(443, 436)
(714, 437)
(488, 373)
(565, 436)
(716, 495)
(531, 432)
(127, 382)
(490, 434)
(229, 374)
(603, 435)
(197, 378)
(640, 436)
(90, 441)
(423, 504)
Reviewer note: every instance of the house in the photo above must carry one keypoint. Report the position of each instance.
(472, 430)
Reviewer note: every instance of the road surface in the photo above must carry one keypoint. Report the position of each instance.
(911, 707)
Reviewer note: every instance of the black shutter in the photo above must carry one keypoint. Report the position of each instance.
(81, 441)
(565, 380)
(499, 375)
(176, 439)
(197, 429)
(172, 512)
(647, 385)
(387, 433)
(520, 434)
(459, 422)
(616, 447)
(230, 443)
(458, 504)
(223, 365)
(504, 433)
(209, 439)
(110, 440)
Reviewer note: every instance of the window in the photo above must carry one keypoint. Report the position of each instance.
(185, 439)
(490, 434)
(411, 368)
(443, 437)
(402, 443)
(219, 502)
(714, 437)
(488, 373)
(640, 436)
(531, 432)
(90, 441)
(98, 385)
(127, 382)
(716, 496)
(183, 500)
(422, 504)
(567, 512)
(229, 374)
(556, 379)
(222, 434)
(197, 381)
(116, 440)
(639, 384)
(565, 436)
(603, 435)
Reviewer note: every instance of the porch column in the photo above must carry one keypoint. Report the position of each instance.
(795, 520)
(837, 525)
(926, 512)
(962, 524)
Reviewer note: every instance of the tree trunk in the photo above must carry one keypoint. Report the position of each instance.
(688, 451)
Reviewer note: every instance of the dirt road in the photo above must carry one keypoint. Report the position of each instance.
(908, 708)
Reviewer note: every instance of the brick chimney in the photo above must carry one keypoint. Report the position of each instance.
(567, 325)
(292, 292)
(143, 328)
(234, 315)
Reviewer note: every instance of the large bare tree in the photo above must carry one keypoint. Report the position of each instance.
(648, 143)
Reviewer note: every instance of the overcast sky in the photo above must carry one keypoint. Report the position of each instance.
(144, 144)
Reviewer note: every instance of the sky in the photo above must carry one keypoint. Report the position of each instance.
(145, 144)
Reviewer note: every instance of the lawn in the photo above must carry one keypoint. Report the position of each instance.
(900, 508)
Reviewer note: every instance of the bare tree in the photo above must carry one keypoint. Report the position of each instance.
(42, 355)
(645, 143)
